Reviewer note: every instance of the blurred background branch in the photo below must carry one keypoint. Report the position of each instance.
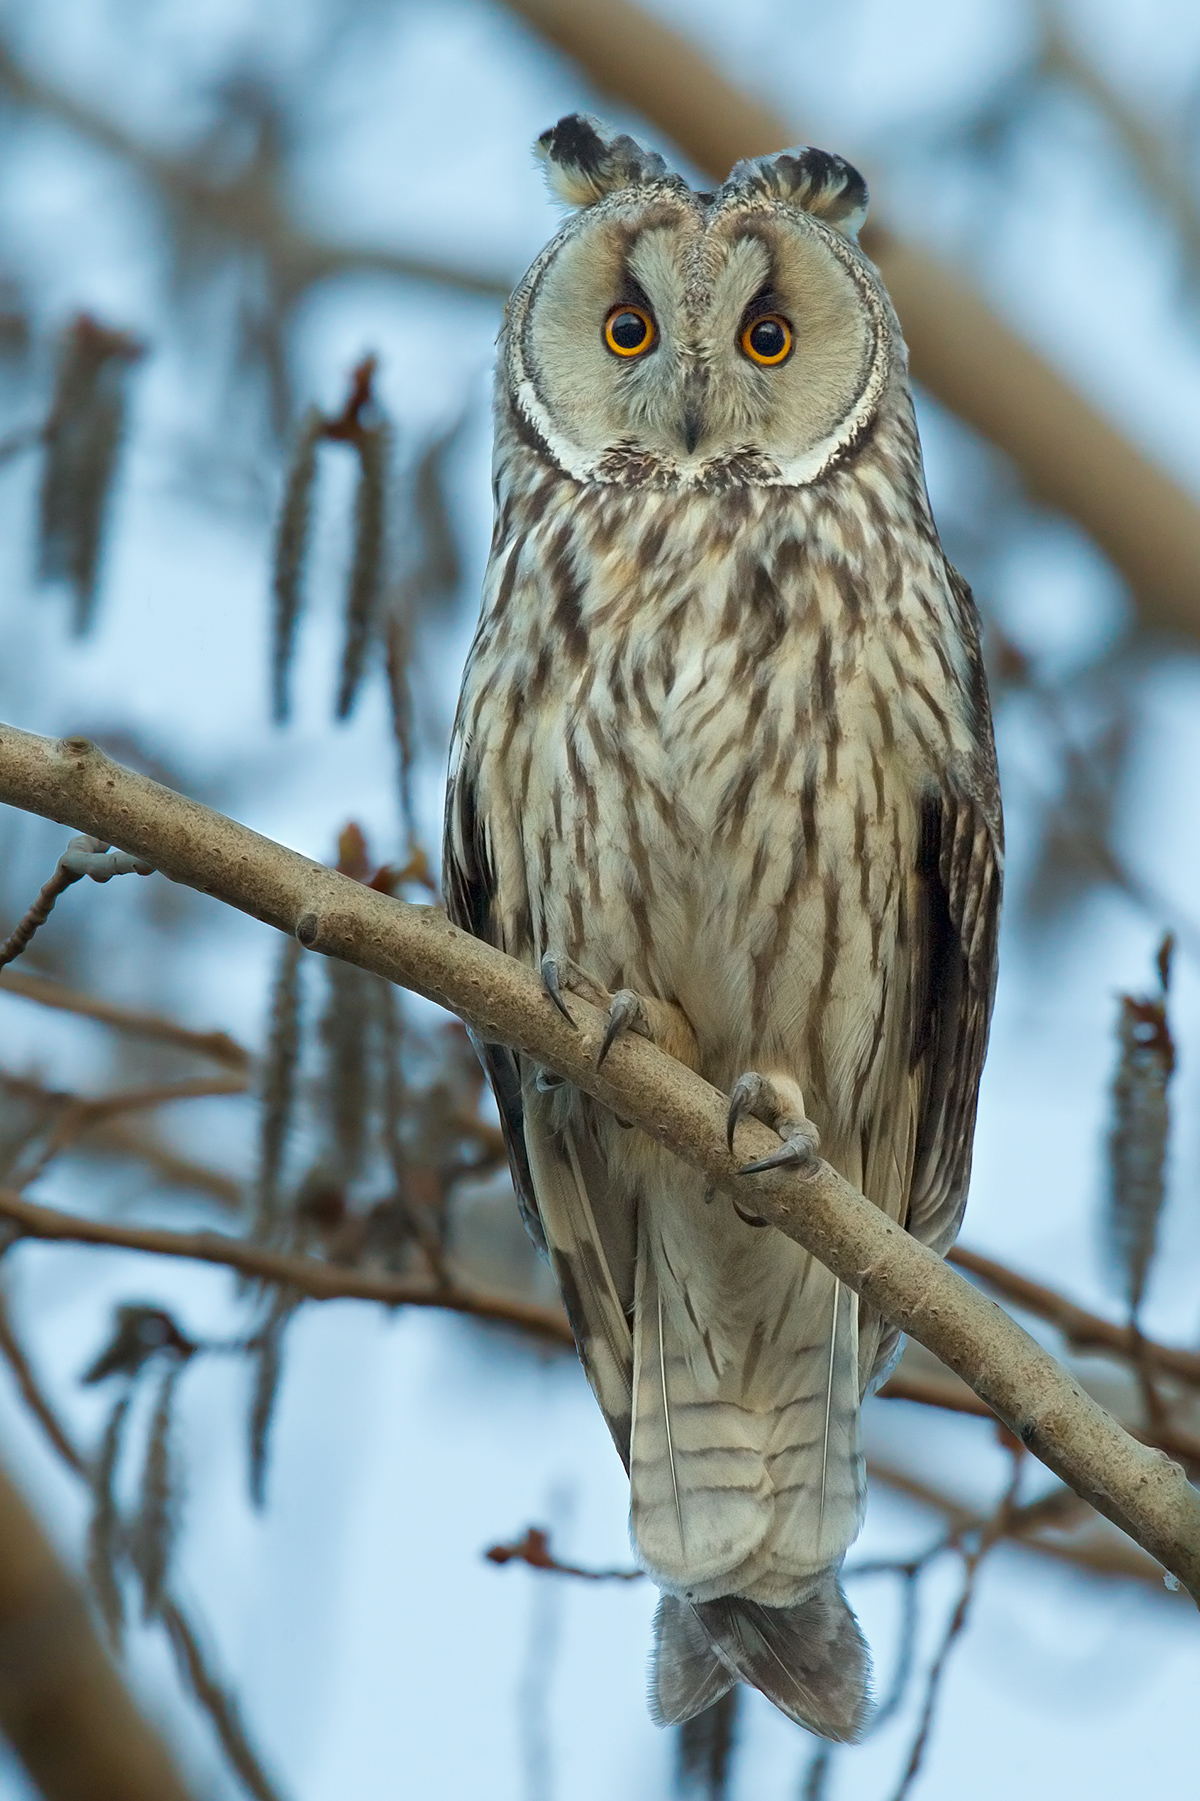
(62, 1706)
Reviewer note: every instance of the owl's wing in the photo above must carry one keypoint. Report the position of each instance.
(469, 893)
(554, 1167)
(960, 871)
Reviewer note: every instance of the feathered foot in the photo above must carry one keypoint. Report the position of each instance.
(778, 1103)
(659, 1021)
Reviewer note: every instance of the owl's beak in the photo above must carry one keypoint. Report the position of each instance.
(694, 424)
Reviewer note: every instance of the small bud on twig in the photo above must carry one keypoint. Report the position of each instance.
(83, 856)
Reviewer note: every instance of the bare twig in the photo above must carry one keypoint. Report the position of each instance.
(313, 1279)
(1083, 1330)
(38, 914)
(1138, 1489)
(534, 1549)
(248, 212)
(219, 1046)
(122, 1138)
(217, 1701)
(1110, 1556)
(995, 1529)
(83, 856)
(81, 1116)
(33, 1396)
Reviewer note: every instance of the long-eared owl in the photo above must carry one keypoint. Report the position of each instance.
(723, 760)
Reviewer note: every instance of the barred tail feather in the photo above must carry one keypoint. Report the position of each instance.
(686, 1675)
(811, 1660)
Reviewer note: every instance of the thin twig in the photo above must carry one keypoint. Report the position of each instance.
(315, 1280)
(534, 1549)
(38, 914)
(81, 1116)
(218, 1046)
(34, 1396)
(247, 211)
(995, 1529)
(1083, 1331)
(1116, 1557)
(217, 1701)
(83, 856)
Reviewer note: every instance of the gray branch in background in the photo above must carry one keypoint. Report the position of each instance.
(246, 211)
(1140, 1490)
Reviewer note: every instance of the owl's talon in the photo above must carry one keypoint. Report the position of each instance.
(771, 1103)
(546, 1082)
(798, 1151)
(626, 1013)
(746, 1096)
(552, 983)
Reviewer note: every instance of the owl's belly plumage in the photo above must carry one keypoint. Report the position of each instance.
(742, 848)
(740, 840)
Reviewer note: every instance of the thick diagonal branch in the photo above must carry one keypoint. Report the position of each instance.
(1140, 1490)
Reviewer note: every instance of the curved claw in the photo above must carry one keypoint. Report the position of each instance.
(744, 1097)
(552, 984)
(625, 1014)
(798, 1151)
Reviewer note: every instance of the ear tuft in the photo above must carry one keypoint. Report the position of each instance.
(585, 161)
(819, 183)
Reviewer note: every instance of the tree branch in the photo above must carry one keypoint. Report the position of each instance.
(217, 1701)
(1140, 1490)
(321, 1281)
(307, 1275)
(62, 1705)
(1114, 1556)
(247, 211)
(1083, 1330)
(1070, 456)
(31, 987)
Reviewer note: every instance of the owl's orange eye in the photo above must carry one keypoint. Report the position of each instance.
(628, 331)
(768, 340)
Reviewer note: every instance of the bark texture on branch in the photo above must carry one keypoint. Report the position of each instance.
(63, 1707)
(1070, 455)
(1140, 1490)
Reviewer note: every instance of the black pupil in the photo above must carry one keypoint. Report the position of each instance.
(767, 338)
(629, 331)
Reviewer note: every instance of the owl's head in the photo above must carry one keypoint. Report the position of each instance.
(682, 338)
